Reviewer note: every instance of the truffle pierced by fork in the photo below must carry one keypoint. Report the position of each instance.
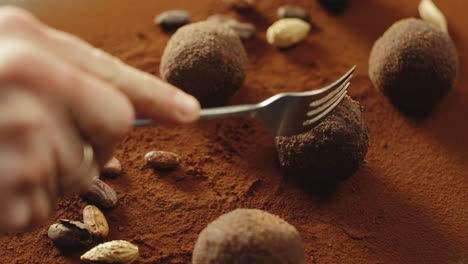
(332, 150)
(414, 64)
(205, 59)
(249, 236)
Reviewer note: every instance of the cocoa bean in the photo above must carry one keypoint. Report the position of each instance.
(101, 194)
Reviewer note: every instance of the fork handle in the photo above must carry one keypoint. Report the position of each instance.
(228, 111)
(214, 113)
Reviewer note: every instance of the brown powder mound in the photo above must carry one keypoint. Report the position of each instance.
(406, 204)
(415, 64)
(333, 150)
(249, 236)
(207, 60)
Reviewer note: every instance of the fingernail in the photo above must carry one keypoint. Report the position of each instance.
(188, 107)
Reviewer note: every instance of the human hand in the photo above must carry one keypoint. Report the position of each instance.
(58, 94)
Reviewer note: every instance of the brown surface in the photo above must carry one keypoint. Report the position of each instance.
(407, 204)
(249, 236)
(413, 57)
(207, 60)
(332, 150)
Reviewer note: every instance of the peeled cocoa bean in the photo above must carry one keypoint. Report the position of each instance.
(101, 194)
(112, 169)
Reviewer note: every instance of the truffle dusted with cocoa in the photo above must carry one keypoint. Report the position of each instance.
(207, 60)
(415, 64)
(240, 4)
(334, 6)
(249, 236)
(331, 151)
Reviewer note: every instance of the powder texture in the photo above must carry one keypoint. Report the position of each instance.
(249, 236)
(333, 150)
(406, 204)
(207, 60)
(415, 64)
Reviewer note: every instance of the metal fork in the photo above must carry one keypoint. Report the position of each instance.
(284, 114)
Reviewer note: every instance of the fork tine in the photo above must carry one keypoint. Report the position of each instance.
(335, 84)
(331, 100)
(327, 110)
(331, 94)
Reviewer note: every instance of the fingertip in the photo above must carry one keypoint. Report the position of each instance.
(19, 213)
(187, 108)
(43, 206)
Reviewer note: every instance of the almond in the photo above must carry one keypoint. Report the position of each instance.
(429, 12)
(116, 251)
(287, 32)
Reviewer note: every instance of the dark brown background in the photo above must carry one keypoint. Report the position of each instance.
(407, 204)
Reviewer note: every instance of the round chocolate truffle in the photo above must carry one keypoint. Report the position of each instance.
(332, 150)
(249, 236)
(207, 60)
(334, 6)
(415, 64)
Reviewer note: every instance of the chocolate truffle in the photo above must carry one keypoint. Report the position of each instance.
(249, 236)
(332, 150)
(334, 6)
(415, 64)
(205, 59)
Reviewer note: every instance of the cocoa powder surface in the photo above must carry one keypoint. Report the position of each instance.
(407, 204)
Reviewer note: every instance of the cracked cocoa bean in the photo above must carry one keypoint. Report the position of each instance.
(162, 160)
(69, 234)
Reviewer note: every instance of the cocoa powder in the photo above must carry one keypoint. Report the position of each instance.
(407, 204)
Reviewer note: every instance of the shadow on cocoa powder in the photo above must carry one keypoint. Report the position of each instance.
(388, 212)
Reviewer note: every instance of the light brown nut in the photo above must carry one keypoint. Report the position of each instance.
(101, 194)
(291, 11)
(287, 32)
(239, 4)
(162, 160)
(243, 30)
(116, 251)
(96, 221)
(112, 169)
(172, 19)
(429, 12)
(220, 18)
(69, 234)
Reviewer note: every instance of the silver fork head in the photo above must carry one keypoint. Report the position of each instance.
(289, 114)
